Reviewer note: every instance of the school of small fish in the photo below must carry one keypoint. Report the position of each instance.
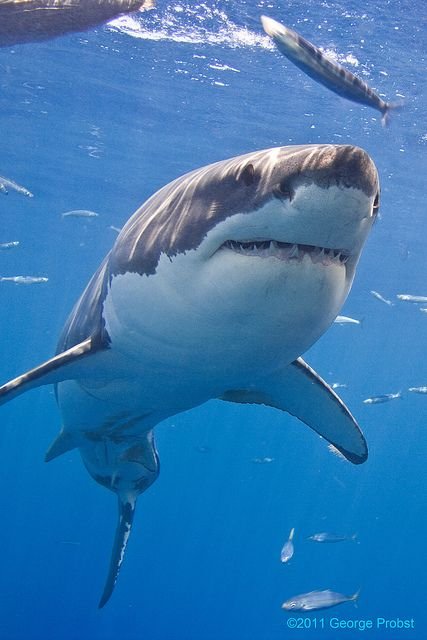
(323, 599)
(315, 600)
(346, 320)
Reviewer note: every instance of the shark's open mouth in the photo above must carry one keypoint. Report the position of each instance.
(287, 251)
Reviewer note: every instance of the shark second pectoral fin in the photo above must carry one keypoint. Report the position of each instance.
(126, 512)
(61, 367)
(298, 390)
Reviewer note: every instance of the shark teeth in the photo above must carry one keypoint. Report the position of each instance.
(287, 251)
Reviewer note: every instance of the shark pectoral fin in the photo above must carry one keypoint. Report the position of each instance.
(127, 505)
(63, 442)
(60, 367)
(298, 390)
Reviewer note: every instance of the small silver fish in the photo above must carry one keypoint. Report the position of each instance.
(324, 536)
(317, 600)
(80, 213)
(346, 320)
(288, 548)
(6, 184)
(9, 245)
(320, 68)
(418, 389)
(264, 460)
(116, 229)
(384, 398)
(24, 279)
(338, 385)
(379, 297)
(423, 309)
(406, 297)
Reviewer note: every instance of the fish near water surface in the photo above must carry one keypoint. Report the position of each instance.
(213, 289)
(307, 57)
(24, 21)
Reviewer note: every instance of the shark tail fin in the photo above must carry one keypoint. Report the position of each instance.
(291, 534)
(60, 367)
(355, 597)
(126, 505)
(390, 106)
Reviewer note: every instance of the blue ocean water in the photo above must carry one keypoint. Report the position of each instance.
(101, 120)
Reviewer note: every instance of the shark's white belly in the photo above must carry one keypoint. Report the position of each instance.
(176, 346)
(218, 332)
(214, 319)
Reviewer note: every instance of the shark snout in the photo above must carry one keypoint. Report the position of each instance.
(343, 166)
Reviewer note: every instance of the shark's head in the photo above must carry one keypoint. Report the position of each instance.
(256, 253)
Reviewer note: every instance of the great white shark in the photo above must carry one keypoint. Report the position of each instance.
(213, 289)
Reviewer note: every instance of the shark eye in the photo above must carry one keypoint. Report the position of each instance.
(248, 175)
(376, 204)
